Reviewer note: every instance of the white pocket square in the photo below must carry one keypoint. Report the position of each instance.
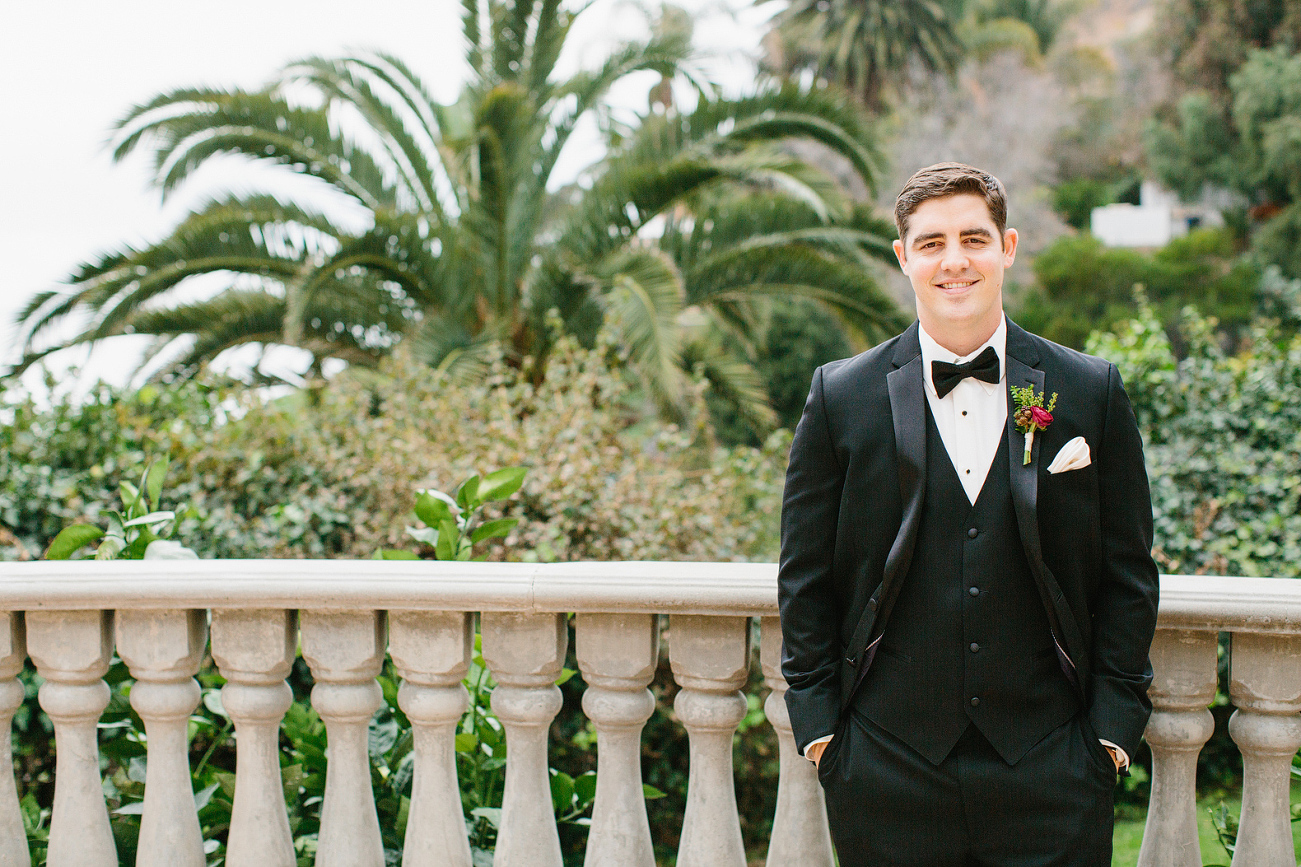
(1073, 456)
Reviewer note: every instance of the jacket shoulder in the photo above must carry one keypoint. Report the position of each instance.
(854, 375)
(1092, 369)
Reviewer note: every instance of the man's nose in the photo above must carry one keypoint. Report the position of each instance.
(955, 258)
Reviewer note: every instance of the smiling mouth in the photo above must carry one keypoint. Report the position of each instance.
(956, 284)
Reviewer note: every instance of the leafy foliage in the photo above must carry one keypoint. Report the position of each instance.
(322, 473)
(1084, 285)
(1248, 141)
(866, 46)
(136, 533)
(1222, 437)
(447, 230)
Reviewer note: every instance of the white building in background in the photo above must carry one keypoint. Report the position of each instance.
(1158, 219)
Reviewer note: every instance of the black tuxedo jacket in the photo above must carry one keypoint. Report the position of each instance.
(853, 498)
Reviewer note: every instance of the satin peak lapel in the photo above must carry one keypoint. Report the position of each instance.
(908, 411)
(1025, 477)
(1025, 502)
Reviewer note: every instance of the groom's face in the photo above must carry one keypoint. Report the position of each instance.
(955, 259)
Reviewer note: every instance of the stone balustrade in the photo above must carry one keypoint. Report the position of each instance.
(254, 617)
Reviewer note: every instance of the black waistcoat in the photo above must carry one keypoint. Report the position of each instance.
(967, 640)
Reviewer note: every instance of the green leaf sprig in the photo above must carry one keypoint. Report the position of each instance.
(452, 523)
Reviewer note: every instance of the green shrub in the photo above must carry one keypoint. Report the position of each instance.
(1222, 434)
(1083, 286)
(328, 472)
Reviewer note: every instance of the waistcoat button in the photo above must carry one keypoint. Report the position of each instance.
(972, 533)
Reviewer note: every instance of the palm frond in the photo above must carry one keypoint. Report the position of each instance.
(197, 125)
(338, 79)
(732, 379)
(642, 298)
(801, 271)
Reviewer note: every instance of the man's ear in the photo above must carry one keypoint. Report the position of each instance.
(903, 260)
(1009, 247)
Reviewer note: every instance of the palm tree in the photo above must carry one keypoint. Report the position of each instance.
(438, 225)
(866, 45)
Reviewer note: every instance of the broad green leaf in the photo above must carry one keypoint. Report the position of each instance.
(565, 674)
(150, 519)
(445, 549)
(562, 789)
(585, 788)
(168, 549)
(110, 548)
(491, 814)
(202, 796)
(115, 521)
(467, 496)
(291, 778)
(394, 554)
(431, 509)
(135, 808)
(500, 484)
(493, 530)
(428, 535)
(650, 793)
(154, 480)
(212, 701)
(72, 539)
(130, 496)
(467, 742)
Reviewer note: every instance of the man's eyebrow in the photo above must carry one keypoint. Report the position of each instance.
(973, 232)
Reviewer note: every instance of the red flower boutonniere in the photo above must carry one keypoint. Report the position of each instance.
(1031, 415)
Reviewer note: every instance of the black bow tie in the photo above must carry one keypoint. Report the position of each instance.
(947, 376)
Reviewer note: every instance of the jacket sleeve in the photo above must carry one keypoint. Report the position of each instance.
(1124, 607)
(810, 612)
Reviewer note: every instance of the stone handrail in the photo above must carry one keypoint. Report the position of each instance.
(162, 618)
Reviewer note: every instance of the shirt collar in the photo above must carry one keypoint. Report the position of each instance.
(932, 351)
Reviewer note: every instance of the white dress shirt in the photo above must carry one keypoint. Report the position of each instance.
(971, 419)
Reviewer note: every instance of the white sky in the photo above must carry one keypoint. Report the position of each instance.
(73, 67)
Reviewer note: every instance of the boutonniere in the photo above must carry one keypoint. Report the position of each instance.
(1031, 415)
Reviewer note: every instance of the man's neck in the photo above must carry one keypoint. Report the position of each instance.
(961, 342)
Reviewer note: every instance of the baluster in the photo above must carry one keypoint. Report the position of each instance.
(345, 650)
(1265, 684)
(163, 650)
(710, 657)
(525, 653)
(13, 650)
(800, 836)
(254, 650)
(431, 651)
(72, 650)
(1184, 663)
(617, 654)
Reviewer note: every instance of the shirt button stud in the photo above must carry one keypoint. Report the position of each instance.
(975, 702)
(972, 533)
(973, 591)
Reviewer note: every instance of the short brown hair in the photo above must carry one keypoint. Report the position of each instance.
(950, 179)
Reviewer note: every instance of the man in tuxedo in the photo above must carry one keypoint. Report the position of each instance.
(966, 585)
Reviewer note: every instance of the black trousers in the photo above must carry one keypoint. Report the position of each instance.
(890, 807)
